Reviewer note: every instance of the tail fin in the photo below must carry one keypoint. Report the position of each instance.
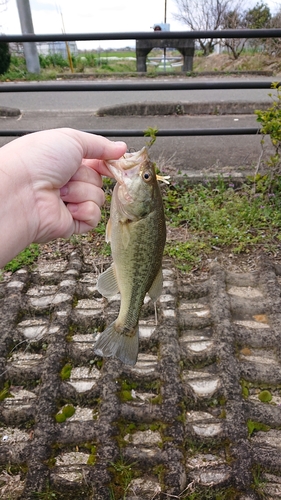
(113, 343)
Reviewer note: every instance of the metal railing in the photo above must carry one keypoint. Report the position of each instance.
(142, 86)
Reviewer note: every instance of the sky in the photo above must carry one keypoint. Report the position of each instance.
(89, 16)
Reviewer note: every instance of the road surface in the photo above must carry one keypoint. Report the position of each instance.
(91, 101)
(79, 110)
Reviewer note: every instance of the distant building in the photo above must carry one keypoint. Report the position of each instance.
(16, 48)
(46, 48)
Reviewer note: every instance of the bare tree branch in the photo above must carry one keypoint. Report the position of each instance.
(205, 15)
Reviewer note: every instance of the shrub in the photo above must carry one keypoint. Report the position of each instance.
(270, 120)
(52, 60)
(5, 57)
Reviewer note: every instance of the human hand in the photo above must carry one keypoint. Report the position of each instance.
(55, 183)
(65, 166)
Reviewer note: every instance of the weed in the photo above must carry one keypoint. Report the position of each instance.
(256, 426)
(52, 60)
(45, 495)
(123, 473)
(125, 396)
(127, 385)
(218, 216)
(270, 120)
(66, 371)
(5, 393)
(92, 459)
(150, 132)
(24, 258)
(186, 254)
(245, 388)
(259, 481)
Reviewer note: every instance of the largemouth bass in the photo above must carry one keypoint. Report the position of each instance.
(136, 231)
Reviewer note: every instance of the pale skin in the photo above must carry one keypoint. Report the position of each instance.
(51, 186)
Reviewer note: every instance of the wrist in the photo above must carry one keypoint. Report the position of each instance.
(18, 217)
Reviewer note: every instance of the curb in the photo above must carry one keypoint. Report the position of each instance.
(183, 108)
(166, 74)
(6, 112)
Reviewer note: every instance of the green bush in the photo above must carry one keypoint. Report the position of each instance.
(270, 120)
(5, 57)
(52, 60)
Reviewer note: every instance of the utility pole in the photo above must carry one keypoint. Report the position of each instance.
(30, 49)
(165, 20)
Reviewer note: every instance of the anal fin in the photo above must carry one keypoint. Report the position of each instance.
(156, 288)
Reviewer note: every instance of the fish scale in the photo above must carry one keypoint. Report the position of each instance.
(137, 235)
(142, 275)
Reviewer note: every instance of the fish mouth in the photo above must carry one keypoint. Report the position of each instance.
(128, 165)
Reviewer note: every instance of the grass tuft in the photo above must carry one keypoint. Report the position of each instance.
(218, 216)
(26, 258)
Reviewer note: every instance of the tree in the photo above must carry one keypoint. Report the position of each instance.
(257, 18)
(234, 20)
(5, 57)
(205, 15)
(273, 45)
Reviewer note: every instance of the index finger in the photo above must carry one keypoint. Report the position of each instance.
(98, 147)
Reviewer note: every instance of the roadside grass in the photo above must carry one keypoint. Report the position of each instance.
(221, 217)
(203, 218)
(52, 66)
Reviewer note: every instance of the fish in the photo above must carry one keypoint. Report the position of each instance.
(136, 231)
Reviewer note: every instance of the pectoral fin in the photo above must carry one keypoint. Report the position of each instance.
(107, 282)
(156, 288)
(108, 231)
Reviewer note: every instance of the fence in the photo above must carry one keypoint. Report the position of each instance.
(144, 86)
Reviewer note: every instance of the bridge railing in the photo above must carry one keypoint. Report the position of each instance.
(142, 86)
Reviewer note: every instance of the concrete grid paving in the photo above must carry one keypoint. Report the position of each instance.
(188, 421)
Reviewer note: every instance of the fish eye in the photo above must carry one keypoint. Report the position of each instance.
(147, 176)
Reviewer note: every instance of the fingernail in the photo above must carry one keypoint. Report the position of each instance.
(64, 191)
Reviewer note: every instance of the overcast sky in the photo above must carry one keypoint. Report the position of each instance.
(86, 16)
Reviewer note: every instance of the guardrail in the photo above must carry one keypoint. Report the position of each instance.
(133, 86)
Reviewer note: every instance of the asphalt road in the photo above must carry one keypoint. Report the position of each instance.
(91, 101)
(217, 153)
(78, 109)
